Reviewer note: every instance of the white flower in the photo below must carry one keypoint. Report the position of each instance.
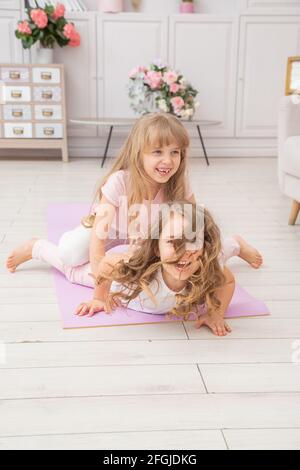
(187, 113)
(163, 105)
(159, 63)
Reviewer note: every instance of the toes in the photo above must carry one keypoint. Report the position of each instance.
(10, 264)
(257, 263)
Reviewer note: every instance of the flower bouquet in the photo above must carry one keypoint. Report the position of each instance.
(158, 87)
(47, 25)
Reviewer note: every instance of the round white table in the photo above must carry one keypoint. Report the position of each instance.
(127, 122)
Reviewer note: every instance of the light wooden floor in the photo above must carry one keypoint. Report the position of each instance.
(154, 386)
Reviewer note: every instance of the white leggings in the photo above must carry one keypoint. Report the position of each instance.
(73, 246)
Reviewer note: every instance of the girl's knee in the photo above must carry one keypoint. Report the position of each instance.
(73, 247)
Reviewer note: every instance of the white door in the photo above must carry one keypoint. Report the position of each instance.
(123, 43)
(11, 47)
(265, 44)
(10, 5)
(80, 74)
(204, 49)
(273, 3)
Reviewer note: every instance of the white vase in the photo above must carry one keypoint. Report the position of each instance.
(44, 55)
(111, 6)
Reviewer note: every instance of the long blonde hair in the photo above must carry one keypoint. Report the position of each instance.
(141, 269)
(151, 129)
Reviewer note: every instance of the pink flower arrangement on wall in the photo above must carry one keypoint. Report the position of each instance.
(158, 87)
(47, 25)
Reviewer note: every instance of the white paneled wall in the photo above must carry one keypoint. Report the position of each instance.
(233, 51)
(265, 44)
(140, 40)
(10, 48)
(214, 73)
(81, 74)
(273, 3)
(10, 4)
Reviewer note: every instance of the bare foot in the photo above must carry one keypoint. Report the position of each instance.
(20, 255)
(249, 253)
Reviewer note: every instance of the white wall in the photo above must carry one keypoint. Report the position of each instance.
(166, 7)
(238, 66)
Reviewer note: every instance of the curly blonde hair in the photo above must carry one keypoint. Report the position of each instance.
(136, 274)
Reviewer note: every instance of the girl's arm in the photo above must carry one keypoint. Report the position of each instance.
(99, 235)
(105, 268)
(225, 293)
(215, 320)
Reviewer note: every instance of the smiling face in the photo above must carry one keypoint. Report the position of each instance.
(175, 228)
(161, 163)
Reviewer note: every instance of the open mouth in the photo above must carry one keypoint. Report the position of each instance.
(182, 265)
(163, 171)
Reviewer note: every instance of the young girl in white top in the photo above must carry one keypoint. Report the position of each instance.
(151, 167)
(177, 268)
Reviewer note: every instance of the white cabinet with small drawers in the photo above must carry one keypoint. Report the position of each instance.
(47, 111)
(17, 112)
(18, 130)
(20, 94)
(32, 107)
(45, 75)
(48, 130)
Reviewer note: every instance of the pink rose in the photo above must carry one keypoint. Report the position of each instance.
(23, 27)
(177, 103)
(39, 18)
(133, 72)
(153, 79)
(174, 87)
(170, 77)
(74, 40)
(59, 11)
(71, 34)
(137, 70)
(68, 30)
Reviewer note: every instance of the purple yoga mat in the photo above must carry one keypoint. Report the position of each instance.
(64, 217)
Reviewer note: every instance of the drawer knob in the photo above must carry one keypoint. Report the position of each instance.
(46, 75)
(47, 95)
(14, 75)
(48, 131)
(47, 112)
(17, 112)
(16, 94)
(18, 130)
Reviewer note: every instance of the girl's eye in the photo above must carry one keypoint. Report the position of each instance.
(158, 152)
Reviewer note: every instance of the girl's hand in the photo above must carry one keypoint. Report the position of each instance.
(89, 308)
(215, 322)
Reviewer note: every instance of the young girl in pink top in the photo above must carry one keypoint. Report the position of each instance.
(151, 167)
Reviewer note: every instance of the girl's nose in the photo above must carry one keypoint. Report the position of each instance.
(167, 158)
(189, 253)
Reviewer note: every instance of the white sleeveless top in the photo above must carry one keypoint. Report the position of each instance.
(165, 297)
